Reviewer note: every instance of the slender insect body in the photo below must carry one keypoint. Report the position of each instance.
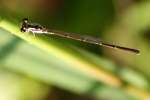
(38, 29)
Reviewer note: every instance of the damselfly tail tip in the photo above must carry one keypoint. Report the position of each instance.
(137, 52)
(132, 50)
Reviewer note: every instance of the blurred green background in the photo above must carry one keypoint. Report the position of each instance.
(54, 68)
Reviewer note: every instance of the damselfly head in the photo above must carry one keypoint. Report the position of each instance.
(24, 25)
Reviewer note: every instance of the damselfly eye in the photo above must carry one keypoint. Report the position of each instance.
(25, 20)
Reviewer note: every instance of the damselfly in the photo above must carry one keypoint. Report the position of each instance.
(27, 26)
